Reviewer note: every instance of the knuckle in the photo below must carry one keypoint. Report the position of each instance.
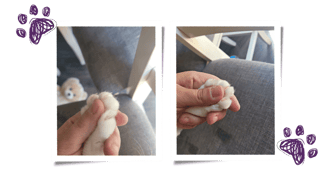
(79, 124)
(200, 95)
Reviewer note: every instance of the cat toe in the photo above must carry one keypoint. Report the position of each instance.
(225, 103)
(229, 92)
(92, 98)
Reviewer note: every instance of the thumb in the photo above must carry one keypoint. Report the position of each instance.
(193, 97)
(87, 123)
(113, 143)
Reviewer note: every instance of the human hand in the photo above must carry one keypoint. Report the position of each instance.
(188, 95)
(75, 131)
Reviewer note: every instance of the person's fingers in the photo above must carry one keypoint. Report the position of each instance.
(121, 118)
(86, 124)
(235, 106)
(193, 79)
(185, 126)
(190, 120)
(203, 97)
(79, 152)
(68, 123)
(187, 121)
(113, 143)
(213, 117)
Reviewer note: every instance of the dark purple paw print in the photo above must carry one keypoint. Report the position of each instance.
(38, 26)
(295, 148)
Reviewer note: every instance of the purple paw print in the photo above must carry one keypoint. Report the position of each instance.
(295, 148)
(38, 26)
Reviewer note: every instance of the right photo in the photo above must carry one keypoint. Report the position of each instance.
(225, 90)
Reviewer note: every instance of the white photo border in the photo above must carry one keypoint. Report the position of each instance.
(278, 90)
(159, 94)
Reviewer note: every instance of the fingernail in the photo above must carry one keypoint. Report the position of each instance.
(95, 107)
(216, 91)
(186, 120)
(215, 119)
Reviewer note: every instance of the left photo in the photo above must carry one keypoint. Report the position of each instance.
(106, 96)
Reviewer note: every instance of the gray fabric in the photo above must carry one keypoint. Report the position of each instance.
(150, 108)
(109, 54)
(188, 60)
(248, 131)
(137, 136)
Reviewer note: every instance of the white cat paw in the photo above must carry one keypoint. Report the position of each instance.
(224, 103)
(94, 145)
(90, 100)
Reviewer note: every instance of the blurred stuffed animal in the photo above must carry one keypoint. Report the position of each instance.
(70, 91)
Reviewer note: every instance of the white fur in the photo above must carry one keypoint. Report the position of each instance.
(105, 126)
(224, 103)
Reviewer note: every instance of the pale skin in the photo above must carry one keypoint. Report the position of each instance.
(75, 131)
(188, 95)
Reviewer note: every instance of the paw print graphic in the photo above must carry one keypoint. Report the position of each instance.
(38, 26)
(295, 147)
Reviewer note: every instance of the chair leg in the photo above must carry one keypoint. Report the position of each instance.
(229, 41)
(140, 67)
(217, 39)
(251, 46)
(58, 72)
(67, 33)
(151, 80)
(265, 37)
(202, 46)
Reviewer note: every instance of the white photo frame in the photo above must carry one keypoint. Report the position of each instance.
(278, 90)
(157, 61)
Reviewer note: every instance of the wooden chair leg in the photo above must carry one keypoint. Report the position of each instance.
(151, 80)
(217, 39)
(202, 46)
(68, 35)
(251, 46)
(265, 37)
(58, 72)
(229, 41)
(140, 68)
